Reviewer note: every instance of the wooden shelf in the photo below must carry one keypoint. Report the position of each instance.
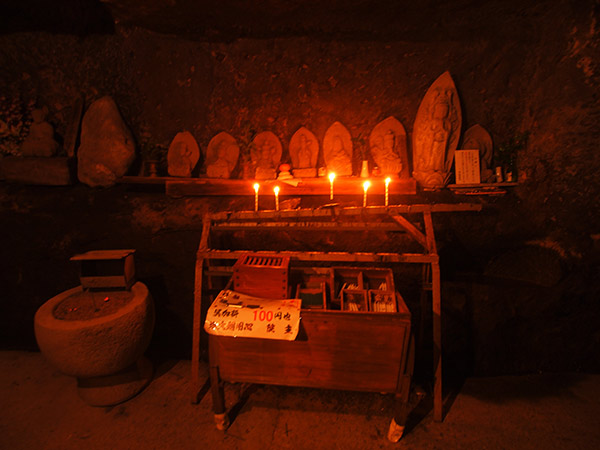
(186, 187)
(481, 188)
(482, 185)
(143, 180)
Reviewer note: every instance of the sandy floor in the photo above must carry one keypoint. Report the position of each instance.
(40, 409)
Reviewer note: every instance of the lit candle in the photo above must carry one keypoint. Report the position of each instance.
(387, 193)
(276, 190)
(256, 187)
(331, 178)
(366, 185)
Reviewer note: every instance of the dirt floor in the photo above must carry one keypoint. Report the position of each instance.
(41, 409)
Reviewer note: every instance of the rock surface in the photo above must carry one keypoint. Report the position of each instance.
(107, 147)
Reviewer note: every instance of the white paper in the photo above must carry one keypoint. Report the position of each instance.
(466, 163)
(240, 315)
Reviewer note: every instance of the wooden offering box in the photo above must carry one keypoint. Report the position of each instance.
(106, 269)
(262, 276)
(334, 349)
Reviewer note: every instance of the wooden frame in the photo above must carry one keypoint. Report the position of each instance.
(377, 218)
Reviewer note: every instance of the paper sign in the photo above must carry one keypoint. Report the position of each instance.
(466, 163)
(240, 315)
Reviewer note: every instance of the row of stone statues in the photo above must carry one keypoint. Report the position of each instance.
(387, 144)
(435, 138)
(107, 147)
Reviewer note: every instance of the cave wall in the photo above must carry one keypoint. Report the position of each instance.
(533, 72)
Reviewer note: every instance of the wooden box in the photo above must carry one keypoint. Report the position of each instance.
(354, 300)
(106, 269)
(355, 289)
(382, 301)
(262, 276)
(312, 286)
(333, 350)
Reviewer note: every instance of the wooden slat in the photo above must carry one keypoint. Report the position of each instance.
(328, 256)
(312, 226)
(342, 212)
(430, 235)
(412, 230)
(307, 186)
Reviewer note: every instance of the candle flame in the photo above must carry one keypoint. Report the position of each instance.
(366, 185)
(331, 176)
(256, 186)
(276, 190)
(387, 181)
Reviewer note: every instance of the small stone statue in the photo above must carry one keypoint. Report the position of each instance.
(337, 150)
(304, 151)
(388, 147)
(183, 155)
(40, 140)
(222, 156)
(266, 154)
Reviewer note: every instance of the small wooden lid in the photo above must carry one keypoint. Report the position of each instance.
(103, 255)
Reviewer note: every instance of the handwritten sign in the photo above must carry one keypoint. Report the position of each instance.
(239, 315)
(466, 163)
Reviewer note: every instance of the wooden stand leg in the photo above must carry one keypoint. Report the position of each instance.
(403, 409)
(196, 331)
(218, 399)
(217, 390)
(424, 304)
(437, 343)
(403, 405)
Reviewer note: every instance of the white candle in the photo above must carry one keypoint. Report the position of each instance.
(366, 185)
(387, 194)
(276, 190)
(331, 178)
(256, 187)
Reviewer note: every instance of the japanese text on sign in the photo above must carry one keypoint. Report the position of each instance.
(239, 315)
(466, 163)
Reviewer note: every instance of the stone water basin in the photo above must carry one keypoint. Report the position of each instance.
(99, 337)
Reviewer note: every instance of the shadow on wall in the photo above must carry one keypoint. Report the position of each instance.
(170, 339)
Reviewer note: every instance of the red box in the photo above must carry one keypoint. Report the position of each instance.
(262, 276)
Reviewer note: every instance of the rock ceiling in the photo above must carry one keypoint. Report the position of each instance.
(223, 20)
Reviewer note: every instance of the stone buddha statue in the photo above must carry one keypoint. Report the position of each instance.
(40, 140)
(389, 162)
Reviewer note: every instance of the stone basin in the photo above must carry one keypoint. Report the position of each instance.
(105, 353)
